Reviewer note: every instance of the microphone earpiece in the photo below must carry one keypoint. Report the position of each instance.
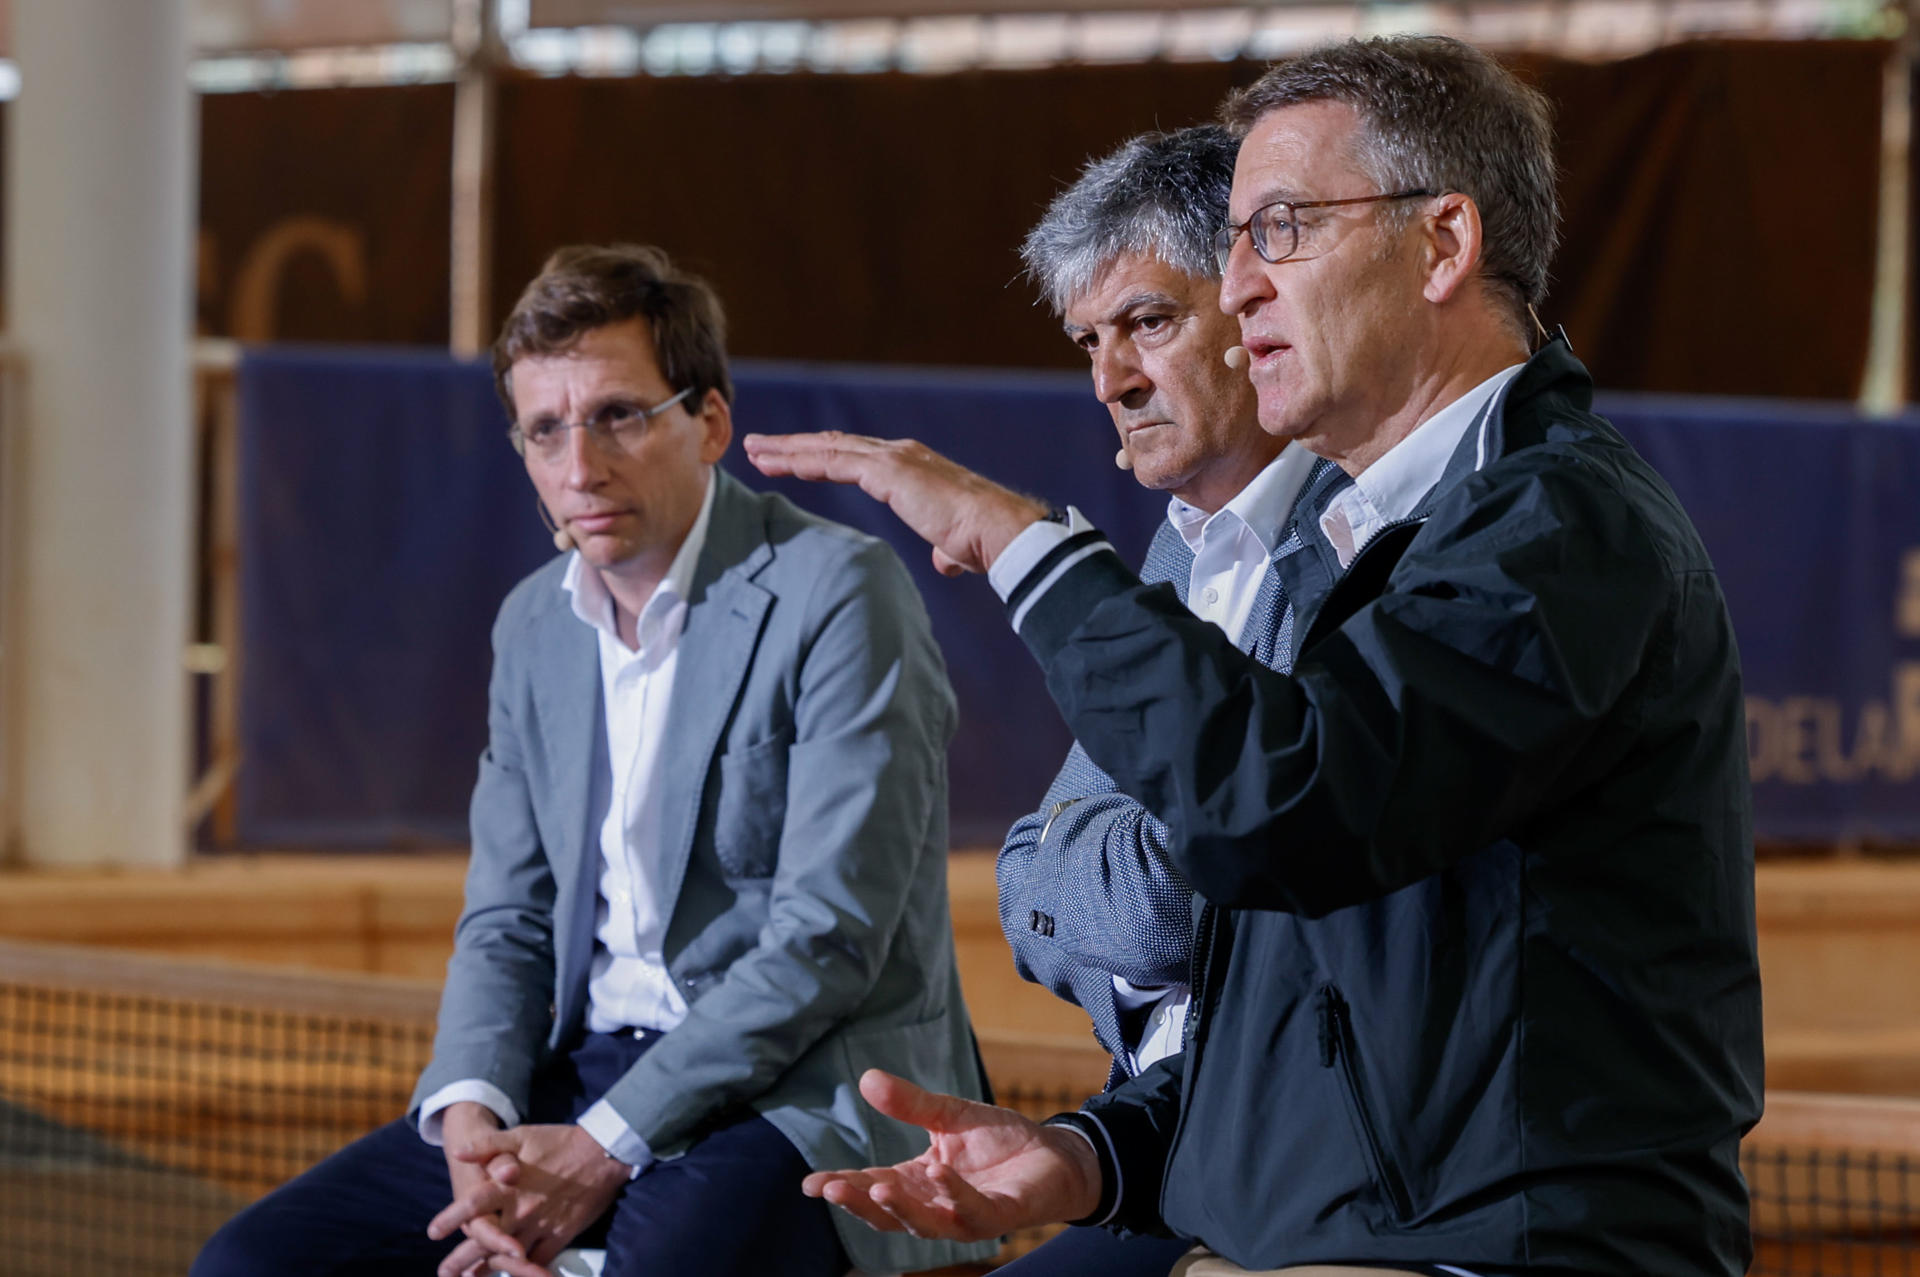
(1123, 459)
(562, 539)
(1237, 358)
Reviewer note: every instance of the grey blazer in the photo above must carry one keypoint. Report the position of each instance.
(810, 932)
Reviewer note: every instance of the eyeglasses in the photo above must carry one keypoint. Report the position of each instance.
(1276, 231)
(614, 429)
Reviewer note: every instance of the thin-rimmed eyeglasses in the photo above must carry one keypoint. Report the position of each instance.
(1275, 228)
(614, 428)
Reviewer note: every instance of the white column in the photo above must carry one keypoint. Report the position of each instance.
(100, 194)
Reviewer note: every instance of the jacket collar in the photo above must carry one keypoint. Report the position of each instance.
(1548, 385)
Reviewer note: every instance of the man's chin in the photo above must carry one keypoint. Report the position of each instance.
(603, 552)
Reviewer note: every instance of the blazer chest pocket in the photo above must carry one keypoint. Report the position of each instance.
(751, 809)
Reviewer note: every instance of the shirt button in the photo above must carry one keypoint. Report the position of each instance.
(1210, 594)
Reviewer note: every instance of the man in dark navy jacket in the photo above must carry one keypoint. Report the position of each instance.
(1475, 977)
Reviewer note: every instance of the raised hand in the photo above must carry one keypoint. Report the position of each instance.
(988, 1172)
(966, 518)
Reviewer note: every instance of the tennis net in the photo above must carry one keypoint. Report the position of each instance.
(144, 1100)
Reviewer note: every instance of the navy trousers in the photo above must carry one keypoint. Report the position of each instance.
(1095, 1252)
(731, 1206)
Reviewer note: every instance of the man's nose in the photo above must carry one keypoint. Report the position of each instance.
(1244, 283)
(583, 459)
(1118, 377)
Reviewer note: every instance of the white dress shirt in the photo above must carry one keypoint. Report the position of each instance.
(629, 985)
(1389, 489)
(1232, 554)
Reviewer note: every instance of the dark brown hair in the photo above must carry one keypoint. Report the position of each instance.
(589, 286)
(1442, 116)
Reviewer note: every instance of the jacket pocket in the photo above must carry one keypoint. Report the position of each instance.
(923, 1051)
(1338, 1050)
(751, 809)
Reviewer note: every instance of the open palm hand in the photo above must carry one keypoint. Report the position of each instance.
(987, 1172)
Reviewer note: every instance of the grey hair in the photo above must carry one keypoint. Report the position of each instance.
(1442, 116)
(1163, 194)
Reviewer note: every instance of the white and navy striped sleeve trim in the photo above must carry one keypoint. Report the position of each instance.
(1094, 1132)
(1038, 557)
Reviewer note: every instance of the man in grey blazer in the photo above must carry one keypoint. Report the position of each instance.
(1090, 901)
(708, 882)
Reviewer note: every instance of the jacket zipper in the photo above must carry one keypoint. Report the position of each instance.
(1337, 1047)
(1208, 931)
(1205, 934)
(1373, 542)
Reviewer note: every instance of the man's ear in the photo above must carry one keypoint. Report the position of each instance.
(1453, 245)
(716, 423)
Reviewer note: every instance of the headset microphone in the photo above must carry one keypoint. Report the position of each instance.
(562, 539)
(1237, 358)
(1123, 459)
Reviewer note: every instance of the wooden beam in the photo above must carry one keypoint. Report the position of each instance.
(476, 44)
(646, 13)
(1883, 384)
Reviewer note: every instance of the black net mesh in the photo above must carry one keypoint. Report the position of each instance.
(1833, 1212)
(143, 1101)
(132, 1124)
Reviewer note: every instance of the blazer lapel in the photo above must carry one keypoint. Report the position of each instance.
(566, 691)
(724, 618)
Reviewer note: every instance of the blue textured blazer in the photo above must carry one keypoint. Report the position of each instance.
(1087, 891)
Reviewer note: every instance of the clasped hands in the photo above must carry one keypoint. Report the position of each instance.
(520, 1195)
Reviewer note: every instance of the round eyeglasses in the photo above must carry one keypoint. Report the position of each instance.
(614, 429)
(1275, 230)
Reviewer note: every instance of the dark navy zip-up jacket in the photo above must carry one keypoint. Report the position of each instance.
(1476, 974)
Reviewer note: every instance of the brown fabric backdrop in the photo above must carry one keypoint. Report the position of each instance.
(1719, 234)
(1720, 205)
(324, 214)
(846, 217)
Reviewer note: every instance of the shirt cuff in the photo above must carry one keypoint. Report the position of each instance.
(1027, 549)
(1038, 557)
(611, 1132)
(483, 1093)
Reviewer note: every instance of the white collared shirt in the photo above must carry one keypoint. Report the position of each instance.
(1233, 546)
(629, 985)
(1232, 554)
(1390, 489)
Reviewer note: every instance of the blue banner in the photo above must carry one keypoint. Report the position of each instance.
(384, 517)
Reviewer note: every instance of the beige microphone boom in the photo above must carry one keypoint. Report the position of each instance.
(562, 540)
(1237, 358)
(1123, 459)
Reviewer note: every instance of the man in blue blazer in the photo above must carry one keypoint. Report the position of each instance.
(708, 882)
(1090, 899)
